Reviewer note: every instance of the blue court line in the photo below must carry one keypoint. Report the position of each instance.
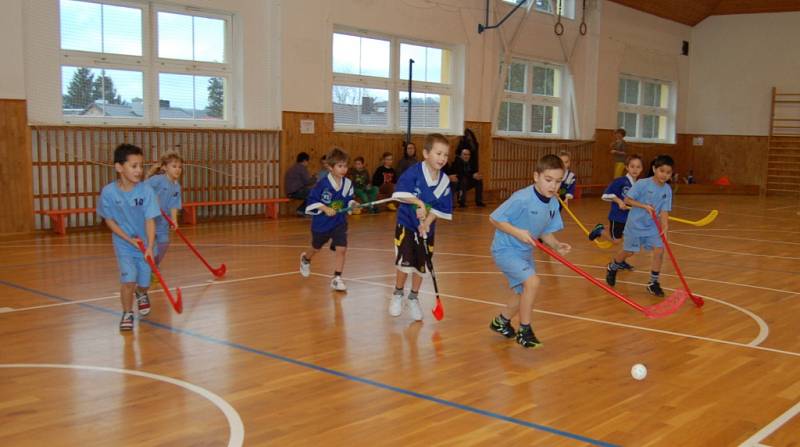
(328, 371)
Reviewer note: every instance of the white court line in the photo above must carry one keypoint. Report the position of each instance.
(190, 286)
(763, 328)
(234, 421)
(735, 238)
(772, 427)
(781, 207)
(593, 320)
(468, 255)
(728, 213)
(791, 258)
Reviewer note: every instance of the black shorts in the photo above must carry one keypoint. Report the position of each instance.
(408, 246)
(616, 229)
(337, 236)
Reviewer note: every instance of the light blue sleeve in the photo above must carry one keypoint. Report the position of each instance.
(510, 210)
(668, 201)
(151, 209)
(105, 207)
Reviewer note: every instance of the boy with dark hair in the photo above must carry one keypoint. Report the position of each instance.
(331, 194)
(385, 178)
(647, 196)
(298, 181)
(129, 208)
(529, 213)
(424, 194)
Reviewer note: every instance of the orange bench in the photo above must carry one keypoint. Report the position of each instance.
(58, 217)
(270, 207)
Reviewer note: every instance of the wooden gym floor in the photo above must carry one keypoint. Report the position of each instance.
(277, 359)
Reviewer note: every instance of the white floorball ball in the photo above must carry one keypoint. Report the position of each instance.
(639, 371)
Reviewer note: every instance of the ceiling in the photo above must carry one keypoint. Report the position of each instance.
(692, 12)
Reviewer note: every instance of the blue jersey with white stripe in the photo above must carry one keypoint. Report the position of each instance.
(333, 194)
(418, 181)
(618, 188)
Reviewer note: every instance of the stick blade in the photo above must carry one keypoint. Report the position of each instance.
(603, 244)
(669, 306)
(219, 272)
(708, 219)
(438, 310)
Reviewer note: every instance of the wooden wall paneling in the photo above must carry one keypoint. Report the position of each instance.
(741, 158)
(16, 169)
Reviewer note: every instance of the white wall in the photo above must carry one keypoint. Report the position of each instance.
(257, 34)
(12, 76)
(736, 60)
(636, 43)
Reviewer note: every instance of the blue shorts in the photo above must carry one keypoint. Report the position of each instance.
(516, 265)
(635, 243)
(134, 269)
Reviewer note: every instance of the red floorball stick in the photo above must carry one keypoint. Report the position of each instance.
(697, 300)
(669, 306)
(218, 272)
(177, 303)
(438, 310)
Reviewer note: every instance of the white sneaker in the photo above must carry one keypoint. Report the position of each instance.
(338, 284)
(305, 266)
(396, 306)
(415, 309)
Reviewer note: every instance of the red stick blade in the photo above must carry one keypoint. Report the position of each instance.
(669, 306)
(178, 303)
(219, 272)
(697, 300)
(438, 311)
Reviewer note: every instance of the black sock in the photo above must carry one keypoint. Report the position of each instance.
(413, 295)
(654, 277)
(337, 273)
(398, 289)
(503, 319)
(306, 260)
(524, 327)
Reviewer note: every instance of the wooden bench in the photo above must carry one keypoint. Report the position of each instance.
(270, 207)
(58, 218)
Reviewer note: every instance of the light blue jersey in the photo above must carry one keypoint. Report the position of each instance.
(169, 198)
(640, 222)
(129, 210)
(529, 210)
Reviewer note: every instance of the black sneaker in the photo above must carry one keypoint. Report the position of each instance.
(527, 339)
(626, 266)
(596, 232)
(611, 276)
(655, 289)
(126, 324)
(504, 329)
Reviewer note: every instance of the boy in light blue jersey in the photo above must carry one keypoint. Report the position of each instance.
(529, 213)
(330, 195)
(424, 193)
(129, 208)
(163, 178)
(648, 195)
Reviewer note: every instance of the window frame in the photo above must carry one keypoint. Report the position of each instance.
(151, 66)
(640, 110)
(568, 11)
(529, 99)
(396, 86)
